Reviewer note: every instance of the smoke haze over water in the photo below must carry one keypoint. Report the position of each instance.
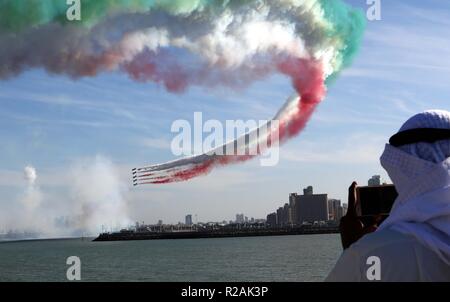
(94, 199)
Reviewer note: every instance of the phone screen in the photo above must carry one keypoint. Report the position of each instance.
(376, 200)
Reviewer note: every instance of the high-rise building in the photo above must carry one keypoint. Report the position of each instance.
(334, 209)
(286, 214)
(374, 181)
(308, 207)
(272, 219)
(311, 207)
(293, 208)
(280, 216)
(308, 191)
(283, 215)
(239, 218)
(188, 219)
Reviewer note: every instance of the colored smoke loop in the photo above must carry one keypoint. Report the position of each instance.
(181, 43)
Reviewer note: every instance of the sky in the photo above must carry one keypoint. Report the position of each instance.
(58, 125)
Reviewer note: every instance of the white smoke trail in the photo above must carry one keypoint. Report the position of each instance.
(161, 173)
(231, 45)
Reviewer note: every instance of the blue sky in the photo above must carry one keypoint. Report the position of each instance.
(53, 121)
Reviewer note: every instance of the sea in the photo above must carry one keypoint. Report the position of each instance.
(276, 259)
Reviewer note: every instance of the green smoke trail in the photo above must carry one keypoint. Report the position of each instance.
(330, 29)
(16, 15)
(348, 24)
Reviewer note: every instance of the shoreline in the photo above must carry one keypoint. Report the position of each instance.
(212, 234)
(87, 238)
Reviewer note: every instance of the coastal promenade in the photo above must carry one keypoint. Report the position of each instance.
(133, 235)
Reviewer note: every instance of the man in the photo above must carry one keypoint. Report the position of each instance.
(413, 243)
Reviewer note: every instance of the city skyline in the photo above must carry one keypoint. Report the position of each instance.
(336, 208)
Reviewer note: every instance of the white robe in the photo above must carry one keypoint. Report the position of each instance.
(402, 259)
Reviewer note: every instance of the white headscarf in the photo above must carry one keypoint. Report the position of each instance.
(435, 152)
(421, 174)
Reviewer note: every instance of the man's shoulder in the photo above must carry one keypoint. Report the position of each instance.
(399, 257)
(391, 247)
(384, 239)
(388, 249)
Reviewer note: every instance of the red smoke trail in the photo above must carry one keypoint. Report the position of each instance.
(196, 170)
(307, 78)
(176, 76)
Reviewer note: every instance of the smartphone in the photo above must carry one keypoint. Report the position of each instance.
(375, 201)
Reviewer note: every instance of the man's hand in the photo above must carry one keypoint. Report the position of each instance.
(351, 227)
